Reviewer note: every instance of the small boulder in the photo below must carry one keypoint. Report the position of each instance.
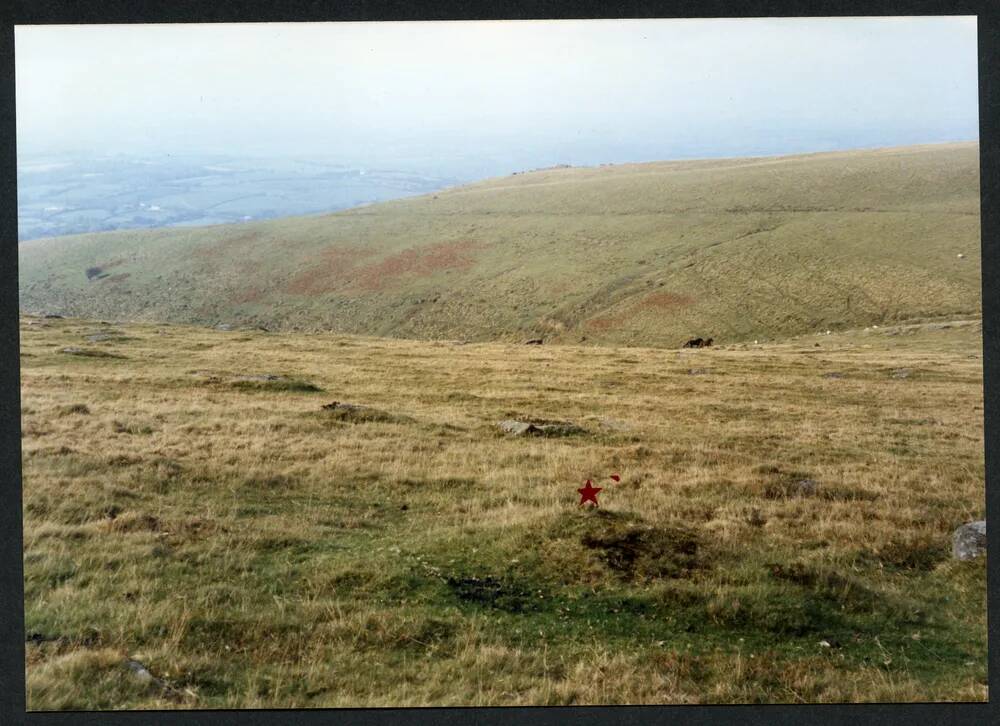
(139, 671)
(540, 427)
(806, 487)
(518, 428)
(534, 341)
(969, 541)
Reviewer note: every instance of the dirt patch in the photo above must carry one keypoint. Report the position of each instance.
(418, 262)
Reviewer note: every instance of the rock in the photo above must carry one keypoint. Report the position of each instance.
(139, 671)
(224, 327)
(540, 427)
(969, 541)
(52, 316)
(961, 256)
(698, 371)
(534, 341)
(901, 372)
(832, 374)
(518, 428)
(806, 487)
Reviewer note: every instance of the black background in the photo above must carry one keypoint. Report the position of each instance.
(12, 693)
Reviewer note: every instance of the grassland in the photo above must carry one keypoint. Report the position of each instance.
(190, 505)
(632, 254)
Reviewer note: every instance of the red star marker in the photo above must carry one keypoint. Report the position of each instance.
(616, 478)
(588, 494)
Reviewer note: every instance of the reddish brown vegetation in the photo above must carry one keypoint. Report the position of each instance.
(656, 301)
(664, 300)
(330, 270)
(419, 261)
(247, 295)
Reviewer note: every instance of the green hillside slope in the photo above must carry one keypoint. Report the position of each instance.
(636, 253)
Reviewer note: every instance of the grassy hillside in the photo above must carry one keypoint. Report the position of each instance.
(781, 531)
(648, 254)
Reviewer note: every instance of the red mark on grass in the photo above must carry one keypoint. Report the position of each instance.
(589, 493)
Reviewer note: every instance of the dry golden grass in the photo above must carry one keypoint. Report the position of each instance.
(253, 550)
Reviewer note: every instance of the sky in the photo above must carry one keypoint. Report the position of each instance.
(482, 97)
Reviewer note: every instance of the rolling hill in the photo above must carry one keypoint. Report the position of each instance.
(639, 254)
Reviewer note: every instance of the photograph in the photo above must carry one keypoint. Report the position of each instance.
(493, 363)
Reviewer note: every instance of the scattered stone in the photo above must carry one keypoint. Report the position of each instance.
(540, 427)
(534, 341)
(832, 374)
(901, 372)
(969, 541)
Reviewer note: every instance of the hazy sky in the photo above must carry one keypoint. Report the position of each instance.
(497, 96)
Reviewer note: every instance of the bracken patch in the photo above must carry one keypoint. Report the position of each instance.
(418, 262)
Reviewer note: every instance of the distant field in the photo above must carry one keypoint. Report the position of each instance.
(634, 254)
(67, 194)
(780, 533)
